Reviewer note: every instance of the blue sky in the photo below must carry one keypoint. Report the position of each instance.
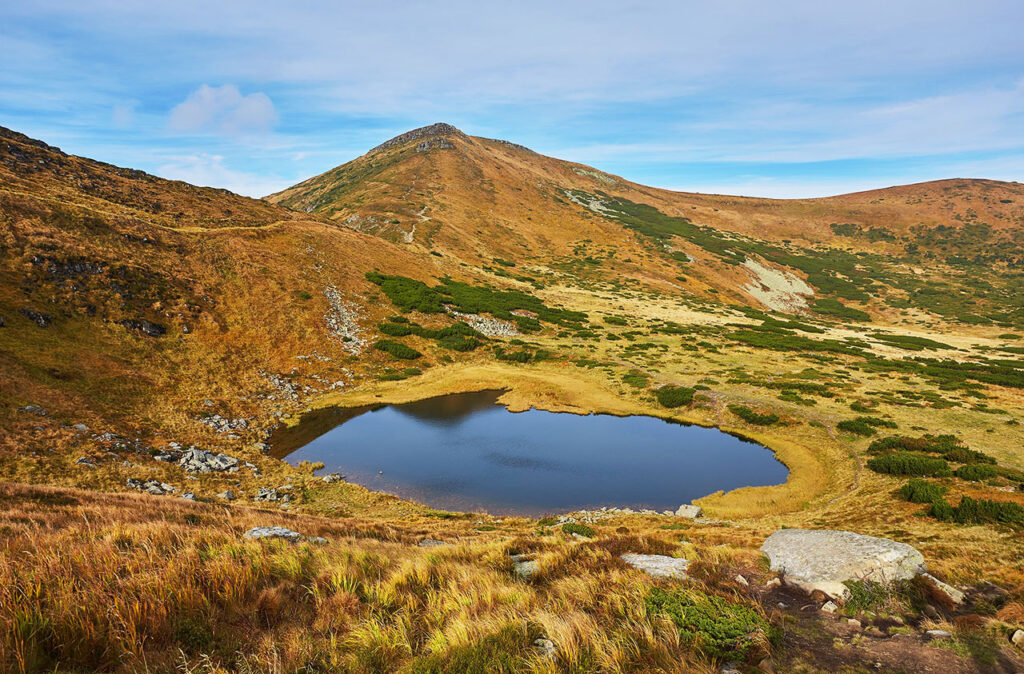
(784, 98)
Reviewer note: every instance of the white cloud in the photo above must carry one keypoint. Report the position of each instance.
(208, 170)
(223, 110)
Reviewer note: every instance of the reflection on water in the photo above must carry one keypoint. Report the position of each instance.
(464, 452)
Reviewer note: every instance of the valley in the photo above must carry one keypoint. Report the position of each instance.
(157, 337)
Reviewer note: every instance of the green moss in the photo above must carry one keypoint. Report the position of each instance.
(577, 528)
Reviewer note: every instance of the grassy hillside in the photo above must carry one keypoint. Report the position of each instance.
(874, 342)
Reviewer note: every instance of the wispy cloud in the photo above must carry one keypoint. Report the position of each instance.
(639, 87)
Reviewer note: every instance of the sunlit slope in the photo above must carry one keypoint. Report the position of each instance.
(947, 250)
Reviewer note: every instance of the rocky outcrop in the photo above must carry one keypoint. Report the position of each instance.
(439, 129)
(658, 566)
(824, 560)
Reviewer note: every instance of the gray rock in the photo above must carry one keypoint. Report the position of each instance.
(829, 607)
(824, 559)
(1017, 639)
(227, 495)
(81, 427)
(658, 566)
(85, 461)
(273, 532)
(546, 647)
(333, 477)
(430, 543)
(931, 635)
(524, 566)
(689, 510)
(33, 409)
(188, 496)
(954, 595)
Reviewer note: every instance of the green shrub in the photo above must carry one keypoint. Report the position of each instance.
(715, 626)
(856, 426)
(615, 320)
(922, 491)
(674, 396)
(979, 511)
(635, 379)
(397, 349)
(976, 472)
(752, 417)
(947, 445)
(908, 463)
(577, 528)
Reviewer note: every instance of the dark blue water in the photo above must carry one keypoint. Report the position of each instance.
(464, 452)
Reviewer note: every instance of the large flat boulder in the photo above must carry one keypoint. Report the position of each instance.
(824, 559)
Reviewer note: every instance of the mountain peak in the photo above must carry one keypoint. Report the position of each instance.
(438, 129)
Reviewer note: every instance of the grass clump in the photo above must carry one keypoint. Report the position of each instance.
(397, 349)
(674, 396)
(577, 528)
(752, 417)
(909, 463)
(636, 379)
(716, 627)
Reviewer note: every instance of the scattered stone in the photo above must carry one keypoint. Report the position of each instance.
(853, 622)
(333, 477)
(145, 327)
(954, 595)
(430, 543)
(1017, 639)
(40, 319)
(204, 461)
(188, 496)
(658, 566)
(742, 581)
(932, 635)
(773, 583)
(266, 494)
(829, 607)
(729, 668)
(273, 532)
(689, 511)
(227, 495)
(151, 486)
(545, 647)
(82, 428)
(33, 409)
(85, 461)
(824, 559)
(342, 322)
